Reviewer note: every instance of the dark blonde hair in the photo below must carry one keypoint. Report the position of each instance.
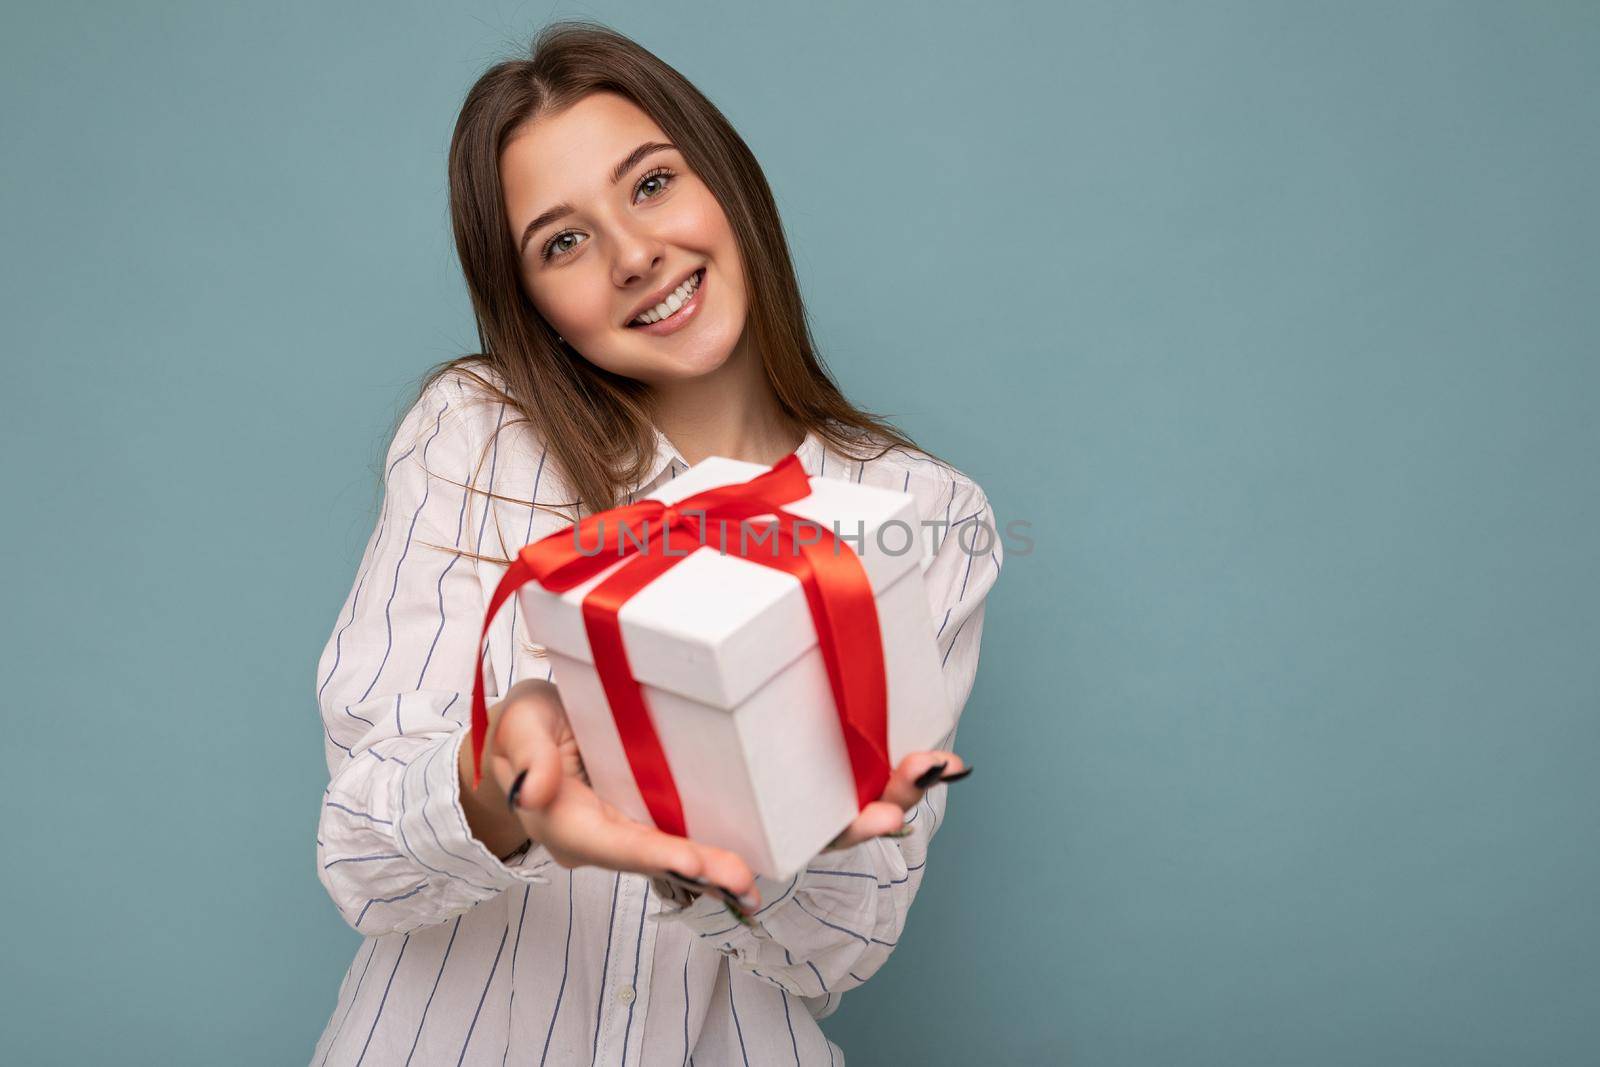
(596, 424)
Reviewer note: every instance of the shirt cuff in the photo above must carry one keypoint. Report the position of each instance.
(431, 826)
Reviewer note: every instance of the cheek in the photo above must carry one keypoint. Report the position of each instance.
(573, 305)
(712, 235)
(702, 223)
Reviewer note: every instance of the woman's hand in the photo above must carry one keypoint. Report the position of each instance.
(534, 757)
(886, 816)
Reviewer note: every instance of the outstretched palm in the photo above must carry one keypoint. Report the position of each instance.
(532, 739)
(560, 811)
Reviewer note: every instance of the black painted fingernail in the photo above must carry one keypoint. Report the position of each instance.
(685, 878)
(956, 777)
(931, 775)
(731, 902)
(683, 884)
(516, 788)
(904, 831)
(744, 903)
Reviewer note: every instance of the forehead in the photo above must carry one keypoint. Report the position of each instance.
(568, 155)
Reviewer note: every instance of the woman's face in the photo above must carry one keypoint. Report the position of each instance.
(622, 245)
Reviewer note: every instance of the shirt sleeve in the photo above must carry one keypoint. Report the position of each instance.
(394, 688)
(835, 922)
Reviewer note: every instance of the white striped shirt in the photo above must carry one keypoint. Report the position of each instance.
(470, 958)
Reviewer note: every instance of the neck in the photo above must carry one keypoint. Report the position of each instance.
(730, 412)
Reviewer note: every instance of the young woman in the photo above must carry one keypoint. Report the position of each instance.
(637, 312)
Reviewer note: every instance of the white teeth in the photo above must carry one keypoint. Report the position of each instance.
(675, 300)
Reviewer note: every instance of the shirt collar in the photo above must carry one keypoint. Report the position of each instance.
(667, 455)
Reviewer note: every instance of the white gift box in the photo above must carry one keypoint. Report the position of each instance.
(726, 655)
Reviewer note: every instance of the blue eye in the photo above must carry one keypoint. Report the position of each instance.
(662, 176)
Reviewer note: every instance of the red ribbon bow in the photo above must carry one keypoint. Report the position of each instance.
(836, 586)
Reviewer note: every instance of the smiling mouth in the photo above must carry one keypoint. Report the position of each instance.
(699, 280)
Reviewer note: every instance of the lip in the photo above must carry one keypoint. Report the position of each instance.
(679, 319)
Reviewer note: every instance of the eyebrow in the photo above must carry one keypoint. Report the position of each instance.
(627, 163)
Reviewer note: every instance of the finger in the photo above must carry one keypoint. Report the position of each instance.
(618, 843)
(876, 819)
(720, 871)
(630, 846)
(729, 870)
(917, 773)
(722, 866)
(523, 741)
(717, 868)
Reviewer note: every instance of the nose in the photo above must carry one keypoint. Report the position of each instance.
(639, 255)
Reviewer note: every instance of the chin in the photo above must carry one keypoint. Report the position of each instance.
(698, 357)
(694, 364)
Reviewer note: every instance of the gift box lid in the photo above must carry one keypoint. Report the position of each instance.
(715, 627)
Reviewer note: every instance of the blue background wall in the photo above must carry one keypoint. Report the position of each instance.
(1276, 321)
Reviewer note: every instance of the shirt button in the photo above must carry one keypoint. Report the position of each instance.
(625, 994)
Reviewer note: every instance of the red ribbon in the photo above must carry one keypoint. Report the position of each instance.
(837, 591)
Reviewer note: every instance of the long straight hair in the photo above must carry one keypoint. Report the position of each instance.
(597, 425)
